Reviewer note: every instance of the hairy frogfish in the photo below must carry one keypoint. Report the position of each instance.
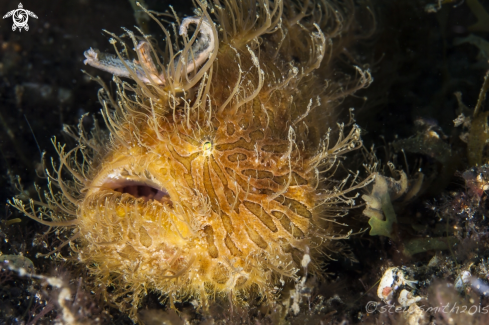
(215, 177)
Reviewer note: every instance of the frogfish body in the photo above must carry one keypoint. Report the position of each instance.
(211, 180)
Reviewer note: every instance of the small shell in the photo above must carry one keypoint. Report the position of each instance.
(435, 260)
(462, 280)
(388, 284)
(406, 298)
(391, 280)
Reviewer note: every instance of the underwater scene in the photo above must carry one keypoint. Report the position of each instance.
(244, 162)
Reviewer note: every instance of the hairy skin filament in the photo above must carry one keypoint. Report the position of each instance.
(146, 70)
(216, 176)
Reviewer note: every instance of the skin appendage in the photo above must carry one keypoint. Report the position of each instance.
(121, 68)
(215, 178)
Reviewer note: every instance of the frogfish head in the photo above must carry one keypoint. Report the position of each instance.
(215, 177)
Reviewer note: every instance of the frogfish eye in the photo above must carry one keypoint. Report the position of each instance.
(207, 147)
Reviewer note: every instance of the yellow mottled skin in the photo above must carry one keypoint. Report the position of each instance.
(212, 181)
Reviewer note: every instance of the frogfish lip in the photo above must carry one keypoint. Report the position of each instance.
(139, 187)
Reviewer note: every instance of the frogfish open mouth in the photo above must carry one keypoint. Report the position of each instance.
(215, 176)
